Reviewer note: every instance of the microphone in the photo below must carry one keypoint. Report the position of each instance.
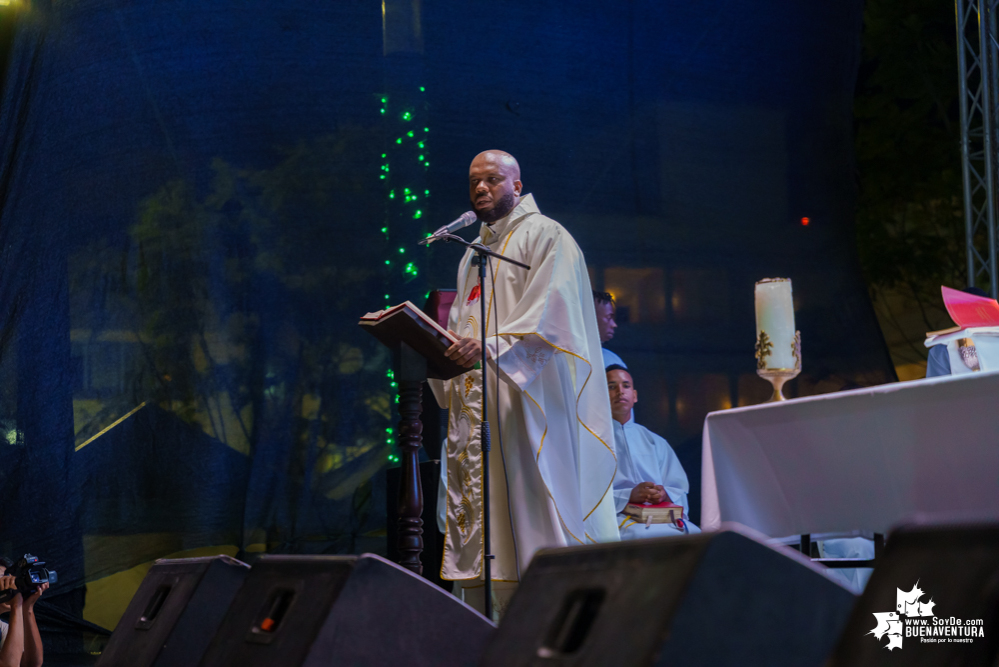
(466, 219)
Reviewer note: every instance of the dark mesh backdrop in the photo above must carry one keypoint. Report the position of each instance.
(200, 198)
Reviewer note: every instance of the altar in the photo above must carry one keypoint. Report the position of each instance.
(860, 460)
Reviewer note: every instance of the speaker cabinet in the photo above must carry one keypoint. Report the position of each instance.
(174, 615)
(936, 589)
(711, 599)
(313, 611)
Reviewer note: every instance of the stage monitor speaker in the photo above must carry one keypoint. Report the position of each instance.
(933, 599)
(314, 611)
(712, 599)
(173, 616)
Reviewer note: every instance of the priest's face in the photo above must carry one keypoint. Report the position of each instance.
(605, 320)
(494, 185)
(622, 394)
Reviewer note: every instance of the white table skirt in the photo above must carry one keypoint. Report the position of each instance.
(855, 460)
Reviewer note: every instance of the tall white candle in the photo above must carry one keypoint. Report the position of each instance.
(775, 319)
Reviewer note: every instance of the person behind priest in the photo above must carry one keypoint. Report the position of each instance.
(648, 470)
(552, 460)
(603, 303)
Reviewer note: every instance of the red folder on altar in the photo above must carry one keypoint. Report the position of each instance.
(968, 310)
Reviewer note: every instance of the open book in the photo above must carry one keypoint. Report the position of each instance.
(405, 323)
(664, 512)
(968, 311)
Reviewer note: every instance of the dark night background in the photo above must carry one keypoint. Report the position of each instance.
(198, 200)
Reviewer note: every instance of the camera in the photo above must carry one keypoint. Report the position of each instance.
(29, 573)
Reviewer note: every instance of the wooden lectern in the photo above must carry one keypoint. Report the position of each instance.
(418, 345)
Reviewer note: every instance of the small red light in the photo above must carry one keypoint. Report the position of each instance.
(804, 222)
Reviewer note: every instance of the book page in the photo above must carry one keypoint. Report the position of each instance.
(379, 314)
(427, 319)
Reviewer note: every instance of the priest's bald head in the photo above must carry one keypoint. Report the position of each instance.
(494, 185)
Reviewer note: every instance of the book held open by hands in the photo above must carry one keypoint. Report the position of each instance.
(405, 323)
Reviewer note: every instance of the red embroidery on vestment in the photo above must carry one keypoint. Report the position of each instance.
(474, 295)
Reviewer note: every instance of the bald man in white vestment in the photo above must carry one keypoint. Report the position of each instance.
(648, 469)
(552, 462)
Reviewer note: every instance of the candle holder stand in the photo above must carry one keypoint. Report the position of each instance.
(777, 376)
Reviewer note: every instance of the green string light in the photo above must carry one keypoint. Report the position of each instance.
(401, 158)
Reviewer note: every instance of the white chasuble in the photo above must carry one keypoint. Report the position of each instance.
(552, 462)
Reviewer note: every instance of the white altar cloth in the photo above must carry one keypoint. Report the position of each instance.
(855, 460)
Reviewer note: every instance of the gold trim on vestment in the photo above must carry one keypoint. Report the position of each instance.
(585, 382)
(604, 495)
(547, 490)
(578, 396)
(492, 290)
(543, 435)
(622, 525)
(447, 496)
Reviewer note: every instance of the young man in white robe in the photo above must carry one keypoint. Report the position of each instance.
(648, 470)
(552, 461)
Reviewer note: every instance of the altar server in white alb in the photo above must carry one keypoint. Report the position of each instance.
(648, 470)
(552, 462)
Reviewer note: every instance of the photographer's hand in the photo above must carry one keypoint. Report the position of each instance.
(29, 604)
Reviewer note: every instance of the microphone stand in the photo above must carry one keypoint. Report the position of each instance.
(480, 260)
